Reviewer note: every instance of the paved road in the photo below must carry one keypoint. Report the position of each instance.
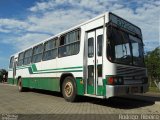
(45, 102)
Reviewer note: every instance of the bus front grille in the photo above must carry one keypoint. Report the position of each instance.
(131, 75)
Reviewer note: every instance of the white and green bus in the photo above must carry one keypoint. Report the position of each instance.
(101, 58)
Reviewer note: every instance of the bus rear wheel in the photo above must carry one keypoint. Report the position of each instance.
(20, 86)
(69, 89)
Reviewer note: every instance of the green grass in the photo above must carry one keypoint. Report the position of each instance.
(154, 89)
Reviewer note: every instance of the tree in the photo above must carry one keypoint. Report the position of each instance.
(152, 60)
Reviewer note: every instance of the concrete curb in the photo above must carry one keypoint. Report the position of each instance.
(7, 84)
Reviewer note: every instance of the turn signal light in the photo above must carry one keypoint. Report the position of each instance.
(115, 80)
(110, 80)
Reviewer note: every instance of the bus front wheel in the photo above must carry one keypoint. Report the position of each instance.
(69, 89)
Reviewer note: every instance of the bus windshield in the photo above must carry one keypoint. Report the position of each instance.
(124, 48)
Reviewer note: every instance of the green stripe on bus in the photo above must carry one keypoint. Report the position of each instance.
(33, 69)
(30, 70)
(62, 68)
(54, 71)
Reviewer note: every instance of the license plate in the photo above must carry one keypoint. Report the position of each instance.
(134, 89)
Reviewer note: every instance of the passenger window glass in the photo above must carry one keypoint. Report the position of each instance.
(70, 37)
(69, 44)
(62, 40)
(37, 53)
(20, 59)
(50, 50)
(27, 57)
(70, 49)
(99, 45)
(11, 62)
(99, 69)
(90, 47)
(90, 75)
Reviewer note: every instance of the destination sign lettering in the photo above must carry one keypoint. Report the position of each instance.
(124, 24)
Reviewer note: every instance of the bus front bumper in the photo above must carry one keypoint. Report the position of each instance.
(118, 90)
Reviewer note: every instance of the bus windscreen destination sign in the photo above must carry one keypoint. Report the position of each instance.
(124, 24)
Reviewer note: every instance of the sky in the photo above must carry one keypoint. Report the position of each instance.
(26, 22)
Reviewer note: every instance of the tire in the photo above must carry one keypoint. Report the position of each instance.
(69, 89)
(20, 86)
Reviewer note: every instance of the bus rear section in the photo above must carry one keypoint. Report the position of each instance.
(124, 67)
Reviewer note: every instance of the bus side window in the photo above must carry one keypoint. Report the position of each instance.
(27, 56)
(50, 50)
(69, 44)
(11, 62)
(20, 59)
(62, 40)
(37, 53)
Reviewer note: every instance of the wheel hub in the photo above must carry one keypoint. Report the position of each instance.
(68, 89)
(20, 86)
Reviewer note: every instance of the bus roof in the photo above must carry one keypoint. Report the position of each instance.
(72, 28)
(57, 35)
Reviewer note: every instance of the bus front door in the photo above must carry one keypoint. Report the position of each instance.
(94, 61)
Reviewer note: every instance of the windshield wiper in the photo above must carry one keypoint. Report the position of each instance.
(123, 45)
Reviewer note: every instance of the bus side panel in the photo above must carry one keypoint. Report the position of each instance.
(74, 65)
(80, 86)
(78, 61)
(100, 90)
(51, 84)
(10, 81)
